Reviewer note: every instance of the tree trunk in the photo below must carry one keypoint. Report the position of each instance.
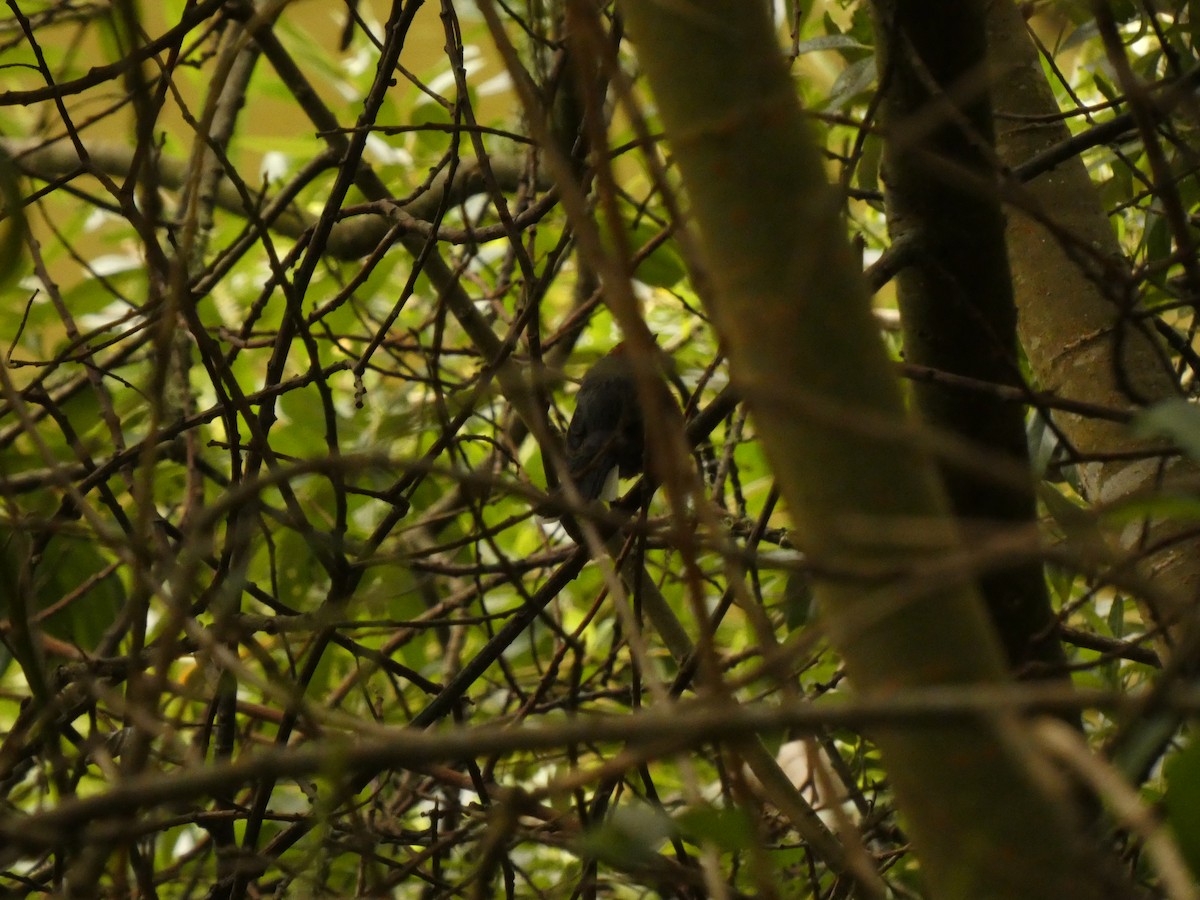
(1068, 278)
(1071, 285)
(956, 296)
(794, 317)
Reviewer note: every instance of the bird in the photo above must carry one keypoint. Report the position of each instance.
(606, 437)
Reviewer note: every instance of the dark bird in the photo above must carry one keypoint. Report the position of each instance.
(606, 436)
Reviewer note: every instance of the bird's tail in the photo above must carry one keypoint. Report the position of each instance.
(594, 482)
(598, 480)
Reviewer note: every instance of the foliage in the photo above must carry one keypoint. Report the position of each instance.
(294, 336)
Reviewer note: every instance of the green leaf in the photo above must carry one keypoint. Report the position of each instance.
(1182, 802)
(829, 42)
(1061, 580)
(1116, 617)
(1160, 506)
(12, 222)
(298, 574)
(1042, 443)
(867, 172)
(301, 432)
(628, 838)
(853, 81)
(662, 267)
(1069, 516)
(728, 828)
(1158, 240)
(431, 112)
(1177, 419)
(1105, 87)
(78, 594)
(798, 600)
(861, 25)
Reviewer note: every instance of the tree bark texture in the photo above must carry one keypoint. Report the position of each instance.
(1068, 278)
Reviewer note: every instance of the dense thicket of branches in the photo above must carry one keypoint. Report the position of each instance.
(294, 302)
